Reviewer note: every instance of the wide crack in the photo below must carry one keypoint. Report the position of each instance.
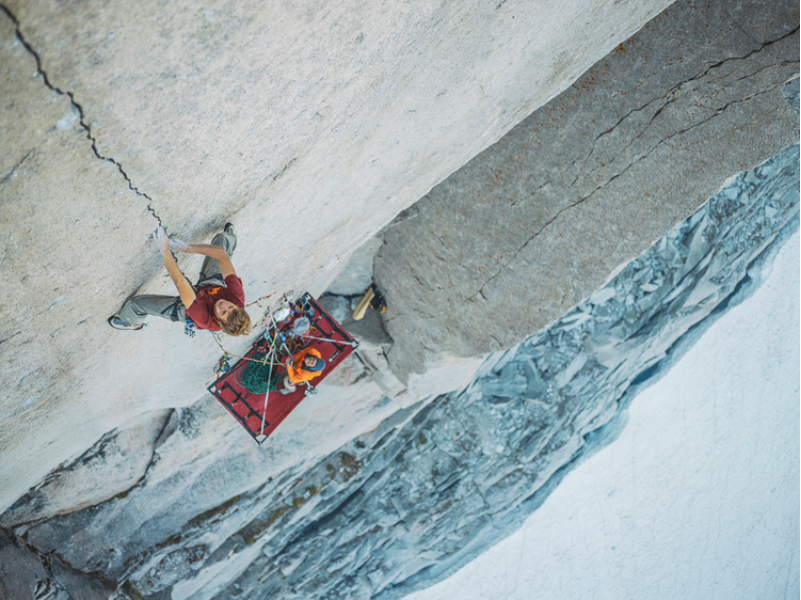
(79, 109)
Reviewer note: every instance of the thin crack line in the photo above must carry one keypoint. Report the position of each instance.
(674, 99)
(716, 113)
(744, 32)
(87, 456)
(709, 67)
(17, 166)
(79, 109)
(45, 558)
(9, 337)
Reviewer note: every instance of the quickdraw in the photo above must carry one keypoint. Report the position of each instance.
(224, 366)
(190, 328)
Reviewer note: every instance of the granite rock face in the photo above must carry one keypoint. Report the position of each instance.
(24, 575)
(120, 473)
(308, 124)
(369, 331)
(539, 221)
(790, 91)
(357, 275)
(438, 482)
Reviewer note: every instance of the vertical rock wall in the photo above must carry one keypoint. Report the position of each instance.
(309, 124)
(437, 483)
(536, 223)
(360, 496)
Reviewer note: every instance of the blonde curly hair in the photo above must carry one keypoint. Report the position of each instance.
(237, 323)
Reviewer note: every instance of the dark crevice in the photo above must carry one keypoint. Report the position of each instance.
(79, 109)
(98, 449)
(4, 340)
(284, 169)
(47, 563)
(668, 102)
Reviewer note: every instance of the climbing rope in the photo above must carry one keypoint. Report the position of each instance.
(258, 379)
(214, 334)
(269, 380)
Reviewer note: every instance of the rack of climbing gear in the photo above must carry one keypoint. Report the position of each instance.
(248, 389)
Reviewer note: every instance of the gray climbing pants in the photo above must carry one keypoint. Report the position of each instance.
(136, 309)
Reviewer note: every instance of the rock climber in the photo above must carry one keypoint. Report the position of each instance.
(302, 366)
(216, 303)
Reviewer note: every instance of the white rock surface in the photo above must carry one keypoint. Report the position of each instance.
(357, 274)
(311, 125)
(698, 497)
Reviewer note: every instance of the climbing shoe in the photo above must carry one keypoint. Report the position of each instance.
(118, 323)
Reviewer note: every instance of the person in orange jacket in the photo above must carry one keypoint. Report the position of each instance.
(303, 366)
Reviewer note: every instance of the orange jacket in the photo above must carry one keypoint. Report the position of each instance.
(298, 373)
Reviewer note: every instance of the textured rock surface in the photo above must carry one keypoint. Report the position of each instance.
(715, 440)
(371, 488)
(24, 575)
(536, 223)
(790, 91)
(434, 484)
(369, 331)
(114, 465)
(357, 275)
(310, 124)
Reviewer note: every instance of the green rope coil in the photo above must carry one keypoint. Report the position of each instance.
(254, 377)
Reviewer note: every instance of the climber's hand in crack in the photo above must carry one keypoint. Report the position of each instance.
(160, 239)
(218, 303)
(216, 252)
(185, 291)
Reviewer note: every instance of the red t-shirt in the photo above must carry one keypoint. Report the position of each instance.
(202, 309)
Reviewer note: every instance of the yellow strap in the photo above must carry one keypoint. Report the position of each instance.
(361, 308)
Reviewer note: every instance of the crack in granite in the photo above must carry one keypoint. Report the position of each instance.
(676, 88)
(79, 109)
(46, 560)
(715, 112)
(13, 335)
(17, 166)
(97, 450)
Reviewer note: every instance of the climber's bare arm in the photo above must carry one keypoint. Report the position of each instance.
(217, 253)
(185, 290)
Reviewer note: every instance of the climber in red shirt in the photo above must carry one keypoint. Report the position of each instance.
(216, 303)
